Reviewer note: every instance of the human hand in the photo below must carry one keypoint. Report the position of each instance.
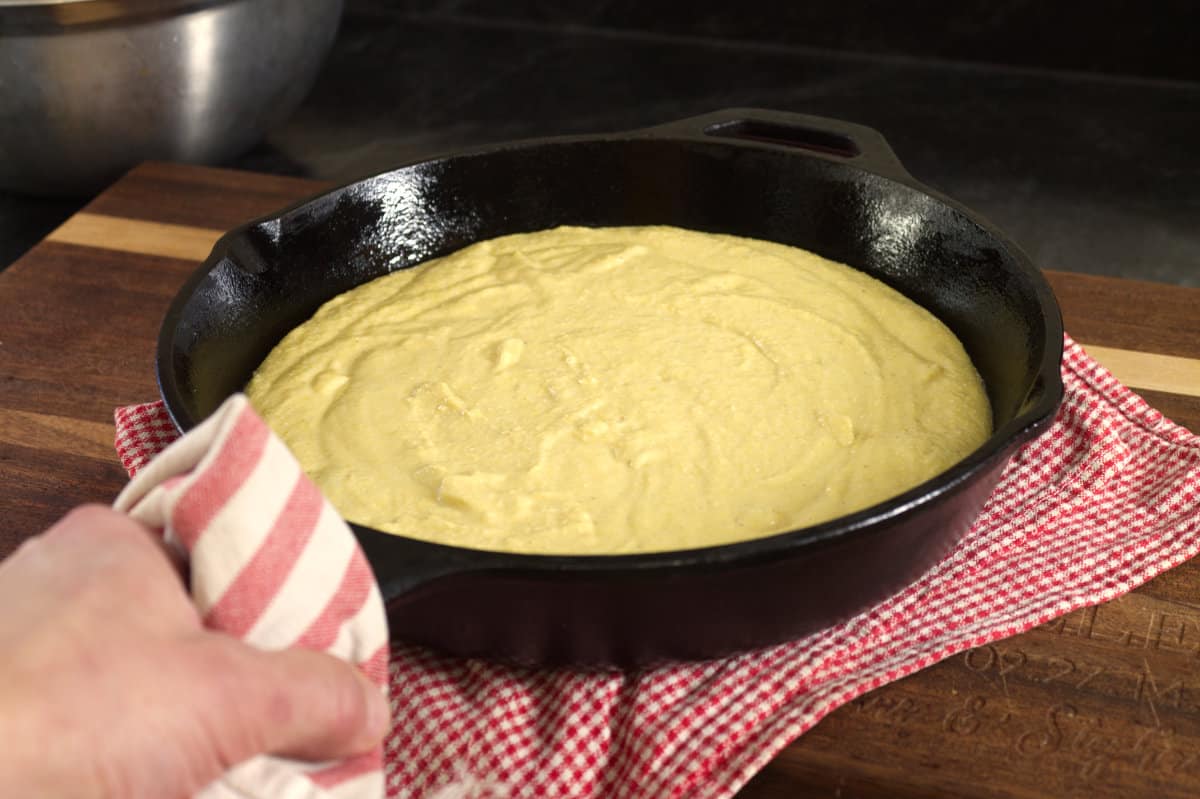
(110, 686)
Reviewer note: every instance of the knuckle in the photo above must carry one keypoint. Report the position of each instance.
(91, 522)
(31, 547)
(87, 515)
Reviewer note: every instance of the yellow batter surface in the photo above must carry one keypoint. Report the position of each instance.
(616, 390)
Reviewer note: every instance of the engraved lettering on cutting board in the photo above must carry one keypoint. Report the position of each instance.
(1070, 672)
(882, 707)
(1135, 621)
(1047, 737)
(1105, 696)
(1068, 741)
(1150, 691)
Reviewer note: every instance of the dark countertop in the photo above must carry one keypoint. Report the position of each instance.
(1089, 172)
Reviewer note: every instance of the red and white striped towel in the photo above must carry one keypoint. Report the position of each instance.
(272, 563)
(1102, 502)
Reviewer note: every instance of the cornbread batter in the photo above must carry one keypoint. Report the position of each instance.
(616, 390)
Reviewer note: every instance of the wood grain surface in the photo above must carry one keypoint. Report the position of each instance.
(1104, 702)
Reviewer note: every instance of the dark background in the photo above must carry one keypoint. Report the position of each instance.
(1074, 126)
(1147, 39)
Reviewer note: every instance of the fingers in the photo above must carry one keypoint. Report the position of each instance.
(95, 522)
(101, 565)
(334, 710)
(112, 566)
(295, 703)
(108, 536)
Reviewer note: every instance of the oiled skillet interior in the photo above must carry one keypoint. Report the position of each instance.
(757, 177)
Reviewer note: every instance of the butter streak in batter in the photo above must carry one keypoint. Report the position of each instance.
(614, 390)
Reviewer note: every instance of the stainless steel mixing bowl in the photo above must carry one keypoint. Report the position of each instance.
(88, 88)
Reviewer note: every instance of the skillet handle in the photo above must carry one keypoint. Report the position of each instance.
(830, 138)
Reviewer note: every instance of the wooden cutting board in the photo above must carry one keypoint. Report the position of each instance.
(1102, 703)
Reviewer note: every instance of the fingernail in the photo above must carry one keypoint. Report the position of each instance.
(379, 714)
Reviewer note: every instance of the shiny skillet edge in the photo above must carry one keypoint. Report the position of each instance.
(870, 154)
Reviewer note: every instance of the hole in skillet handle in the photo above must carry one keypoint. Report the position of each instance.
(803, 138)
(823, 137)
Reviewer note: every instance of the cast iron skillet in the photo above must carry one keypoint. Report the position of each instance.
(825, 185)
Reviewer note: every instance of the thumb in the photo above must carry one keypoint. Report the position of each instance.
(295, 703)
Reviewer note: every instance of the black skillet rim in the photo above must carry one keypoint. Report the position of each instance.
(1046, 390)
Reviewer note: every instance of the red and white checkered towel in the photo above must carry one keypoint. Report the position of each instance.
(271, 562)
(1102, 502)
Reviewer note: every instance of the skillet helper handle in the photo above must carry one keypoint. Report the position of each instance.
(831, 138)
